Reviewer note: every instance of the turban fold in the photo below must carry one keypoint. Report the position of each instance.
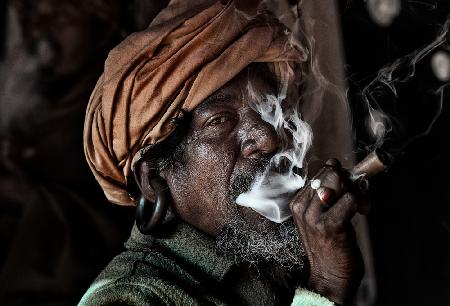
(190, 50)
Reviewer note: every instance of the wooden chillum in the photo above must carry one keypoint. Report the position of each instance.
(377, 161)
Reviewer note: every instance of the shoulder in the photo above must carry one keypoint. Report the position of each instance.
(133, 279)
(111, 292)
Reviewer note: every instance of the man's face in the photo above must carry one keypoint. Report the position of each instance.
(226, 147)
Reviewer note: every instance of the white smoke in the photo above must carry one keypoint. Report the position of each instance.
(272, 191)
(379, 124)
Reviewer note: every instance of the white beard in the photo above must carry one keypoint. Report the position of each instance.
(281, 247)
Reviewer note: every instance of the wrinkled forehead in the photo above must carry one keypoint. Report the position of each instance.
(254, 82)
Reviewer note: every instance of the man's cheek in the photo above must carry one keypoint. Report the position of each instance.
(213, 158)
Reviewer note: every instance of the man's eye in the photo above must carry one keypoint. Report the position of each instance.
(218, 120)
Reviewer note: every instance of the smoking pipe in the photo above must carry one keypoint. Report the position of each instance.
(357, 178)
(377, 161)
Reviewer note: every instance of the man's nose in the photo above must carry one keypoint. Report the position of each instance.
(257, 137)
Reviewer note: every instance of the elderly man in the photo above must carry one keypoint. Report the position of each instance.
(173, 122)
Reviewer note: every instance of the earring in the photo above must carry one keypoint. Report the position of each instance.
(149, 215)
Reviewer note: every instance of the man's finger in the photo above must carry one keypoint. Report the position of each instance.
(302, 199)
(326, 196)
(326, 192)
(342, 211)
(323, 199)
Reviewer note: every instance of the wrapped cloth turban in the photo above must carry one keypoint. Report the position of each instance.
(190, 50)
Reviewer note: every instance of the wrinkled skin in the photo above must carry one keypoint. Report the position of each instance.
(228, 139)
(323, 220)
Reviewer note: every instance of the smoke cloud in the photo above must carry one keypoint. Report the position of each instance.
(390, 78)
(272, 190)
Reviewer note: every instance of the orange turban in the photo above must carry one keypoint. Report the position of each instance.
(190, 50)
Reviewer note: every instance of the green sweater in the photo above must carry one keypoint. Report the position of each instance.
(178, 265)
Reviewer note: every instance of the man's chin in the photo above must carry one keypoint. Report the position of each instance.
(251, 238)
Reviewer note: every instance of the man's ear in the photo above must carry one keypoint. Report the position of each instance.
(152, 206)
(143, 173)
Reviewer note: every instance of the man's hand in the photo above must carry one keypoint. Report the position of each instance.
(323, 220)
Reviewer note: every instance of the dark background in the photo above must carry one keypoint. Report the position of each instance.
(56, 229)
(410, 214)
